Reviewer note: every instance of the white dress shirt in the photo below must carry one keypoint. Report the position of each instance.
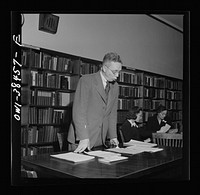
(103, 80)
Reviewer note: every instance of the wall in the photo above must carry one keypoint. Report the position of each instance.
(142, 42)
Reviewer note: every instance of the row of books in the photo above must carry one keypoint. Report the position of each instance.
(36, 150)
(45, 116)
(152, 104)
(50, 98)
(173, 95)
(154, 81)
(139, 92)
(88, 68)
(174, 85)
(132, 78)
(53, 80)
(36, 134)
(147, 80)
(154, 93)
(125, 104)
(56, 63)
(174, 105)
(175, 115)
(129, 91)
(38, 59)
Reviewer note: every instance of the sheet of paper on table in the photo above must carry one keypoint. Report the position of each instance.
(106, 156)
(73, 157)
(102, 154)
(134, 149)
(127, 150)
(112, 159)
(139, 143)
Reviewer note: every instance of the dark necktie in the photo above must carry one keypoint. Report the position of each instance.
(107, 88)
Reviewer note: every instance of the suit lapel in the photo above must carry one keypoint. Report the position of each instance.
(99, 86)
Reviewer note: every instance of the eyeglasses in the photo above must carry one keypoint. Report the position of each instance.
(114, 71)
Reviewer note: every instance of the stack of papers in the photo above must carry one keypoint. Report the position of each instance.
(106, 157)
(102, 154)
(128, 150)
(139, 143)
(136, 147)
(112, 159)
(73, 157)
(134, 150)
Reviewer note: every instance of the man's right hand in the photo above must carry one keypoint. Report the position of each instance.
(83, 144)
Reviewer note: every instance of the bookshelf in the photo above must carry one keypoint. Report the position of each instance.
(49, 80)
(130, 91)
(174, 101)
(148, 90)
(154, 94)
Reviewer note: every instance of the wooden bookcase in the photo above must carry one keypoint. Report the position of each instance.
(130, 91)
(49, 80)
(148, 90)
(173, 99)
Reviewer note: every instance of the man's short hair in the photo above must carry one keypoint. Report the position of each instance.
(112, 56)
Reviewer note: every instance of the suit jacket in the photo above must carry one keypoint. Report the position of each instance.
(93, 118)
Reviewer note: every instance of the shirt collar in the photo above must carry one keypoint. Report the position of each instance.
(132, 123)
(103, 79)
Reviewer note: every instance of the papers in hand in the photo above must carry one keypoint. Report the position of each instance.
(164, 129)
(73, 157)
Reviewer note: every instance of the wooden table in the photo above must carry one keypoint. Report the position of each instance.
(143, 165)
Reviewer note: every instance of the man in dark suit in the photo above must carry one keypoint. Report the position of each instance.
(95, 107)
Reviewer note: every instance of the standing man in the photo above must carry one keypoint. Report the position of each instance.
(95, 105)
